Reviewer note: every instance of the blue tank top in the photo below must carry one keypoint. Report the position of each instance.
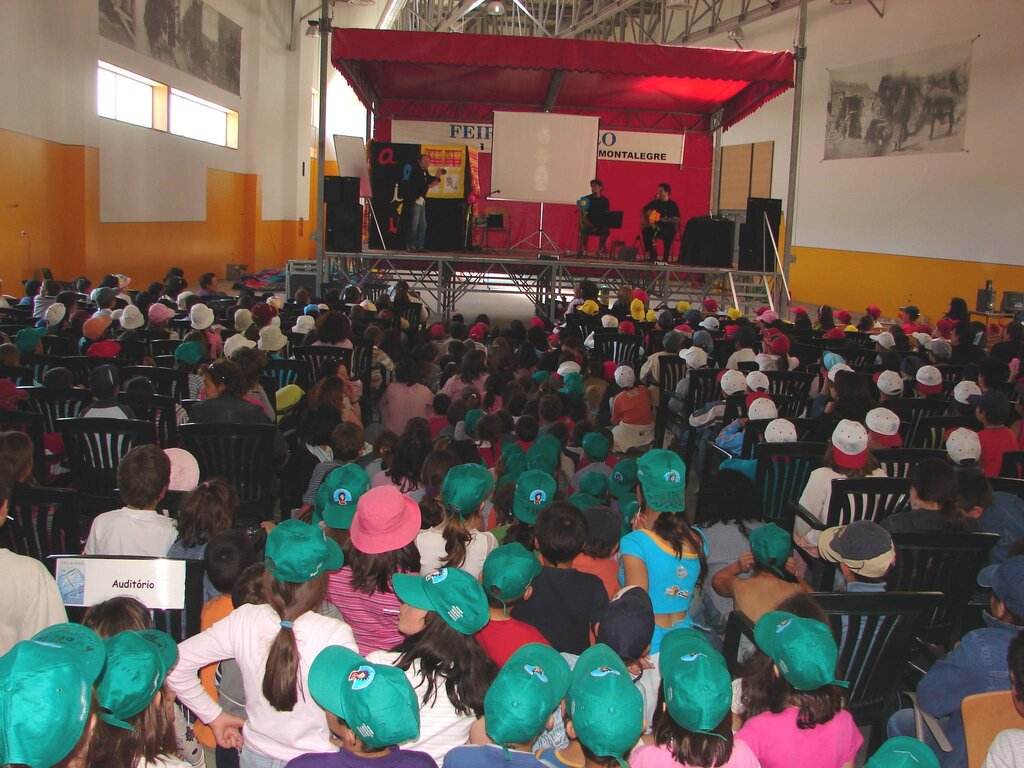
(670, 579)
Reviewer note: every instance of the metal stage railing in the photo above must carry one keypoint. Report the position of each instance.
(444, 278)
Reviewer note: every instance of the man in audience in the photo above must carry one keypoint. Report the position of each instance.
(992, 408)
(993, 512)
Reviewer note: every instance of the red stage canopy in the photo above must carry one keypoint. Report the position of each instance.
(445, 76)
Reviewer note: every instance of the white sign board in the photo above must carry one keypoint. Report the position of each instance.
(156, 583)
(623, 146)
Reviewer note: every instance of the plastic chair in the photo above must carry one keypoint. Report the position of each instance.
(702, 390)
(319, 357)
(59, 346)
(180, 624)
(169, 382)
(781, 475)
(736, 406)
(1008, 485)
(241, 454)
(160, 412)
(164, 346)
(911, 411)
(1013, 465)
(94, 448)
(82, 367)
(875, 633)
(42, 522)
(55, 404)
(21, 375)
(40, 364)
(940, 561)
(33, 425)
(951, 374)
(796, 385)
(619, 348)
(985, 716)
(670, 372)
(897, 462)
(285, 372)
(931, 430)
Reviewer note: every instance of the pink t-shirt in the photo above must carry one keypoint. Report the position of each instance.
(400, 404)
(653, 756)
(778, 743)
(373, 618)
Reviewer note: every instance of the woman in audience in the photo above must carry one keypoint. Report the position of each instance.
(18, 452)
(252, 362)
(825, 320)
(406, 398)
(338, 393)
(333, 329)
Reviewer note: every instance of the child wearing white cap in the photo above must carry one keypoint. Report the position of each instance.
(760, 408)
(632, 423)
(963, 447)
(695, 359)
(846, 457)
(707, 421)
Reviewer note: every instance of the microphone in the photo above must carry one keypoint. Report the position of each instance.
(494, 192)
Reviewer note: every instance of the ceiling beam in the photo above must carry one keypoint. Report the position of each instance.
(457, 13)
(594, 19)
(718, 24)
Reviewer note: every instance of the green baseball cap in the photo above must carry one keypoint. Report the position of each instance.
(535, 492)
(903, 752)
(508, 571)
(539, 377)
(298, 552)
(511, 449)
(622, 482)
(662, 475)
(376, 701)
(771, 547)
(543, 457)
(583, 501)
(188, 352)
(572, 385)
(338, 495)
(594, 484)
(802, 649)
(628, 511)
(698, 687)
(46, 694)
(454, 594)
(606, 709)
(515, 465)
(137, 664)
(525, 692)
(27, 339)
(464, 489)
(473, 416)
(596, 446)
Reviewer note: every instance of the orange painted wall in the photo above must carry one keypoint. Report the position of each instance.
(51, 191)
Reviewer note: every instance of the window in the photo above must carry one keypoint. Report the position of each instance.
(130, 98)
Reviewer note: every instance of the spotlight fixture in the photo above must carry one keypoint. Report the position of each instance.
(495, 8)
(736, 35)
(313, 30)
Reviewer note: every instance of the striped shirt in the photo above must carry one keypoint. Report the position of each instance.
(373, 618)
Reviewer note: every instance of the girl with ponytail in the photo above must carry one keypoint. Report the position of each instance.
(273, 644)
(460, 541)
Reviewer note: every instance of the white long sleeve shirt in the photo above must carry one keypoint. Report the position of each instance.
(246, 635)
(815, 499)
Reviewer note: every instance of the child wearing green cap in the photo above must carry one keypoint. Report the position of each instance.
(371, 710)
(508, 572)
(268, 641)
(597, 448)
(806, 725)
(460, 540)
(693, 728)
(440, 614)
(518, 706)
(762, 578)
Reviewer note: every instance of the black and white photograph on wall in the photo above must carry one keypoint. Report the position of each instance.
(190, 35)
(906, 105)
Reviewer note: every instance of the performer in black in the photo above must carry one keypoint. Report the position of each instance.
(661, 216)
(420, 181)
(594, 218)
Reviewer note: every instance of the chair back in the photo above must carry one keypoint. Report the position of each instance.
(40, 364)
(1008, 485)
(319, 356)
(781, 475)
(951, 374)
(985, 716)
(60, 346)
(21, 375)
(911, 411)
(180, 623)
(931, 430)
(164, 347)
(94, 448)
(285, 372)
(42, 522)
(670, 372)
(620, 349)
(940, 561)
(55, 404)
(169, 382)
(897, 462)
(796, 385)
(82, 367)
(866, 498)
(1013, 465)
(33, 425)
(159, 411)
(411, 312)
(239, 453)
(702, 390)
(736, 406)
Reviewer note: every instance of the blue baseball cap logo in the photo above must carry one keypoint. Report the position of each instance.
(691, 656)
(342, 497)
(781, 626)
(537, 496)
(604, 672)
(361, 677)
(535, 671)
(436, 577)
(672, 476)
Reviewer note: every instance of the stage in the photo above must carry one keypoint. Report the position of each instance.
(444, 278)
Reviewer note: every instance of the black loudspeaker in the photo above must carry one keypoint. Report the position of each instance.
(707, 242)
(341, 189)
(755, 245)
(344, 228)
(446, 225)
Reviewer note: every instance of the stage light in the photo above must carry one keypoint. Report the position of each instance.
(313, 30)
(735, 34)
(495, 8)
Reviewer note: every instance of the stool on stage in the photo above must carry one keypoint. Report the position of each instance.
(493, 220)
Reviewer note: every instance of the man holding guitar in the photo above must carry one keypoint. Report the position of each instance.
(661, 216)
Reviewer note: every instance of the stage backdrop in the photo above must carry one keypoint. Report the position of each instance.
(629, 183)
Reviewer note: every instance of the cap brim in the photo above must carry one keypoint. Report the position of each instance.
(335, 558)
(332, 666)
(985, 576)
(825, 545)
(165, 646)
(109, 719)
(88, 646)
(887, 441)
(411, 590)
(849, 461)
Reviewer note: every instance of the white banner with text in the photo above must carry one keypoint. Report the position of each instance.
(156, 583)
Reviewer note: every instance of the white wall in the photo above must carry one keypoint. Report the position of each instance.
(963, 206)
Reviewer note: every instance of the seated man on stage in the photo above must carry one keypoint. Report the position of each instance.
(593, 218)
(662, 216)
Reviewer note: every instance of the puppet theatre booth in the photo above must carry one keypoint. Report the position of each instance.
(633, 115)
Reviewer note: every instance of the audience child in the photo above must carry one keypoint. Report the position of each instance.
(448, 669)
(519, 704)
(508, 572)
(806, 724)
(459, 541)
(17, 458)
(763, 577)
(564, 601)
(964, 448)
(383, 524)
(731, 438)
(990, 511)
(883, 429)
(663, 554)
(406, 398)
(864, 552)
(991, 409)
(932, 500)
(205, 511)
(903, 752)
(347, 446)
(137, 528)
(693, 727)
(1007, 750)
(535, 491)
(268, 642)
(632, 423)
(604, 529)
(371, 709)
(104, 383)
(978, 664)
